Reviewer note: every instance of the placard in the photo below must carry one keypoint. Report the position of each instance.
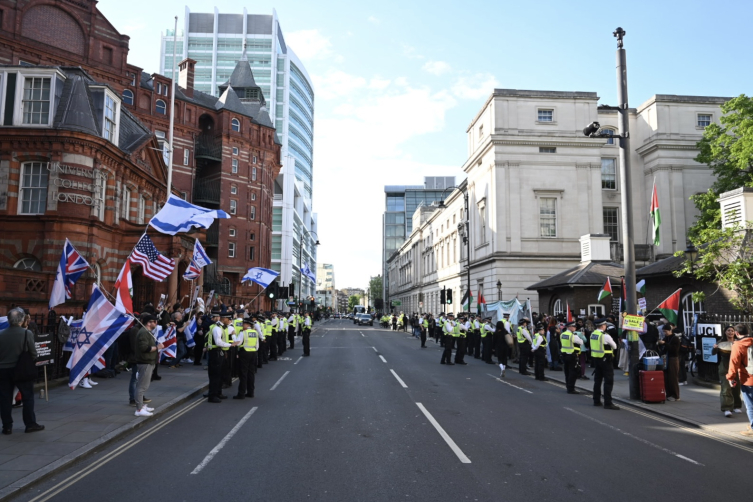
(633, 323)
(707, 345)
(642, 304)
(710, 334)
(43, 344)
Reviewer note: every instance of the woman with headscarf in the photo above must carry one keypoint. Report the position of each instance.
(728, 395)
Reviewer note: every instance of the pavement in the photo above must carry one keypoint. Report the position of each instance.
(372, 416)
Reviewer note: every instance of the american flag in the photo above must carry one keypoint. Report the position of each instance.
(155, 265)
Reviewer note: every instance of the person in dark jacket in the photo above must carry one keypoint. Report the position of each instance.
(147, 351)
(13, 341)
(671, 347)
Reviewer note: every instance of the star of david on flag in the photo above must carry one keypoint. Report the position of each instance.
(199, 261)
(71, 267)
(190, 331)
(261, 276)
(305, 270)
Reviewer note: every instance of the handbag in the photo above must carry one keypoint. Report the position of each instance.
(26, 368)
(509, 340)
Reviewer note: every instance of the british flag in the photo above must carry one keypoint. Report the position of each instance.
(169, 341)
(156, 266)
(72, 265)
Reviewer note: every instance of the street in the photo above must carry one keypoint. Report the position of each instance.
(372, 416)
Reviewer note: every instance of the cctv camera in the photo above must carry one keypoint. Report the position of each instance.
(592, 129)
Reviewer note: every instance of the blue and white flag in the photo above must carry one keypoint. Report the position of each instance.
(101, 326)
(4, 324)
(261, 276)
(190, 332)
(198, 261)
(177, 215)
(170, 342)
(72, 265)
(305, 270)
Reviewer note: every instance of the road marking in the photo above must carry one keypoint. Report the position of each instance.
(224, 441)
(398, 378)
(375, 350)
(644, 441)
(508, 383)
(363, 335)
(112, 455)
(383, 359)
(280, 380)
(299, 360)
(444, 435)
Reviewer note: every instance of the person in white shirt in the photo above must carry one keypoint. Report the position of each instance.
(539, 351)
(486, 336)
(447, 340)
(307, 335)
(291, 330)
(524, 345)
(476, 326)
(462, 341)
(215, 343)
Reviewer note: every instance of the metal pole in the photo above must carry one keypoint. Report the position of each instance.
(468, 246)
(173, 88)
(300, 275)
(627, 202)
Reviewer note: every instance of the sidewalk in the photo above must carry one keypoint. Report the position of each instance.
(78, 421)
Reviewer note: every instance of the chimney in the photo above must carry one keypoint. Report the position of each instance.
(186, 76)
(736, 206)
(594, 247)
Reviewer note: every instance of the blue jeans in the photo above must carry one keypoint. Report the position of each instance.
(746, 391)
(132, 383)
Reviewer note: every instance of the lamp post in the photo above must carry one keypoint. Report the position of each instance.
(499, 290)
(300, 262)
(466, 235)
(691, 254)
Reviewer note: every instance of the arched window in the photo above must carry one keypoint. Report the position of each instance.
(235, 124)
(161, 107)
(128, 97)
(689, 310)
(610, 132)
(28, 264)
(557, 308)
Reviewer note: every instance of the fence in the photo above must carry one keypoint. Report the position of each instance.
(707, 371)
(49, 325)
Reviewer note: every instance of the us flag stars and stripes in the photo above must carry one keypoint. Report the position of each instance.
(156, 266)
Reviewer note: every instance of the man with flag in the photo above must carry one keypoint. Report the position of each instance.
(70, 268)
(147, 352)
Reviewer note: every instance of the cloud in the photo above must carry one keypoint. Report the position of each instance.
(337, 84)
(411, 52)
(379, 83)
(374, 20)
(437, 67)
(475, 86)
(309, 44)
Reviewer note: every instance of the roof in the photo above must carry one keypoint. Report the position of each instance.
(230, 101)
(593, 273)
(242, 76)
(667, 266)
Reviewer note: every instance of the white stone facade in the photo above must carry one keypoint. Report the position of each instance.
(536, 184)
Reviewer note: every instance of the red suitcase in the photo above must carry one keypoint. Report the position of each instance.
(652, 386)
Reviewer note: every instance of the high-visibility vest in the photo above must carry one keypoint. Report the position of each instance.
(484, 331)
(250, 340)
(542, 344)
(267, 328)
(521, 338)
(568, 346)
(598, 349)
(426, 323)
(238, 325)
(225, 336)
(456, 330)
(210, 337)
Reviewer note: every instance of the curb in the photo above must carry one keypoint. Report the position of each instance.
(39, 475)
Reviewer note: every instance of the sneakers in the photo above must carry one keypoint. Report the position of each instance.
(737, 410)
(143, 412)
(728, 414)
(671, 399)
(92, 382)
(747, 432)
(34, 428)
(84, 384)
(149, 409)
(146, 399)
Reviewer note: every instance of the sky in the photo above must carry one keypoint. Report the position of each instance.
(398, 82)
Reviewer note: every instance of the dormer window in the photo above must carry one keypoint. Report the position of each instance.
(36, 100)
(252, 93)
(235, 125)
(110, 122)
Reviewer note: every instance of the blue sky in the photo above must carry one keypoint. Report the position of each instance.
(398, 82)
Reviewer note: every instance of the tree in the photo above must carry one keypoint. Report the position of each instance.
(375, 288)
(725, 256)
(353, 301)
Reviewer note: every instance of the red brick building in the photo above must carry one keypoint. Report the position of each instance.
(80, 159)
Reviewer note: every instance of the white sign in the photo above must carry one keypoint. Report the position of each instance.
(710, 335)
(421, 304)
(642, 304)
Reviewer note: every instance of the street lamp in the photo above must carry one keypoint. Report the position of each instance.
(467, 233)
(300, 263)
(691, 254)
(499, 290)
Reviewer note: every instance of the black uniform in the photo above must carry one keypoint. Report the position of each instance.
(247, 367)
(447, 341)
(216, 359)
(306, 338)
(460, 353)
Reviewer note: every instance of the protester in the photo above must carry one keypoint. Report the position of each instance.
(147, 351)
(738, 372)
(670, 346)
(728, 395)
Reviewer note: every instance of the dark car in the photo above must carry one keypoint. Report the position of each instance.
(365, 319)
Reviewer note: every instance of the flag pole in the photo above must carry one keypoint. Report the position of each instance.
(667, 298)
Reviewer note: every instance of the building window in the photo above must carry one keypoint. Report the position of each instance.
(611, 223)
(547, 149)
(110, 126)
(253, 196)
(186, 156)
(610, 135)
(234, 169)
(231, 232)
(36, 100)
(184, 195)
(254, 159)
(253, 213)
(233, 190)
(142, 209)
(596, 310)
(127, 204)
(165, 88)
(231, 249)
(233, 206)
(33, 195)
(557, 308)
(546, 115)
(161, 107)
(251, 253)
(159, 88)
(235, 125)
(704, 119)
(235, 150)
(608, 174)
(128, 97)
(253, 174)
(482, 222)
(481, 131)
(253, 236)
(28, 264)
(548, 216)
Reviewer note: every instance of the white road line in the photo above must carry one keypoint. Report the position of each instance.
(224, 441)
(299, 360)
(363, 335)
(383, 359)
(280, 380)
(444, 435)
(375, 350)
(398, 378)
(644, 441)
(508, 383)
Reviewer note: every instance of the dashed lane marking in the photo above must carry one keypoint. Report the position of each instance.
(399, 379)
(279, 381)
(299, 360)
(383, 359)
(444, 435)
(508, 383)
(224, 441)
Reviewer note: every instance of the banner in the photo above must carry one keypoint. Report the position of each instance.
(633, 323)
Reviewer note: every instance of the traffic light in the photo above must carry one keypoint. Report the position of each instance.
(449, 297)
(442, 297)
(272, 290)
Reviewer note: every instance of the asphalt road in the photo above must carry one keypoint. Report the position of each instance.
(372, 416)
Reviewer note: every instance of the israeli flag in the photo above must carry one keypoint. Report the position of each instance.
(261, 276)
(305, 270)
(4, 324)
(190, 332)
(177, 215)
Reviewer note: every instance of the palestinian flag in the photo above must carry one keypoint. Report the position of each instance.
(569, 313)
(671, 306)
(641, 287)
(606, 290)
(481, 301)
(467, 299)
(655, 215)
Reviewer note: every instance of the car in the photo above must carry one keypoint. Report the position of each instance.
(365, 319)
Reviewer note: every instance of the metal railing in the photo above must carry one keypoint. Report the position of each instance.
(213, 235)
(207, 191)
(208, 147)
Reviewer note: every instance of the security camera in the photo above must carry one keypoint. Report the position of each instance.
(592, 129)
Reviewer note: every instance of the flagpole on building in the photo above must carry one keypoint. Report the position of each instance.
(173, 89)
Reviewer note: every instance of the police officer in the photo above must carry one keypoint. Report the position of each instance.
(460, 332)
(248, 341)
(306, 334)
(258, 323)
(570, 354)
(282, 332)
(424, 330)
(292, 325)
(602, 349)
(227, 362)
(539, 352)
(237, 324)
(477, 326)
(272, 342)
(448, 330)
(487, 331)
(216, 347)
(524, 345)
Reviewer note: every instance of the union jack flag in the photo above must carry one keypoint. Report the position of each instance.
(156, 266)
(72, 265)
(170, 342)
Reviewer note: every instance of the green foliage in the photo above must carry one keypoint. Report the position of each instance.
(375, 287)
(353, 301)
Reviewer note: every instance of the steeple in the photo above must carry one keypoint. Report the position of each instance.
(242, 81)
